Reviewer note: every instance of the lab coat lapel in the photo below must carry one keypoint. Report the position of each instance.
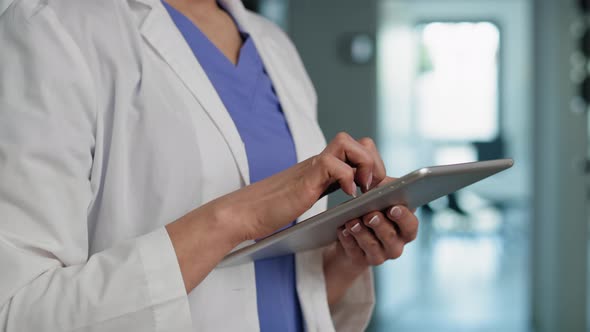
(160, 32)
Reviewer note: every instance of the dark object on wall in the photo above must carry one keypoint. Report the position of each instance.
(253, 5)
(494, 149)
(357, 48)
(584, 5)
(585, 43)
(584, 48)
(585, 90)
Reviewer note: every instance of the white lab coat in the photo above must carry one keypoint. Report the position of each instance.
(109, 130)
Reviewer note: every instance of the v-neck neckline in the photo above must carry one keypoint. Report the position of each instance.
(221, 59)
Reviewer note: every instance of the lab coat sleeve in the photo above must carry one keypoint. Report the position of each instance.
(353, 312)
(48, 280)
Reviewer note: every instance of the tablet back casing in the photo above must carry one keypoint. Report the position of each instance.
(412, 190)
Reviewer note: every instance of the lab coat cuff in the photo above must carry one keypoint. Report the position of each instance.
(164, 281)
(353, 312)
(311, 287)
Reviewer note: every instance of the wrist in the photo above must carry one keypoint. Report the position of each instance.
(335, 259)
(340, 272)
(200, 240)
(225, 220)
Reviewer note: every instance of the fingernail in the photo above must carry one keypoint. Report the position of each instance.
(369, 181)
(353, 189)
(374, 221)
(345, 232)
(356, 228)
(395, 212)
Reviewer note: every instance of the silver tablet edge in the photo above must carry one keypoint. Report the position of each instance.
(497, 165)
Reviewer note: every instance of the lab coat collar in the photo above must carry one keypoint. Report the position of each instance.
(272, 57)
(160, 32)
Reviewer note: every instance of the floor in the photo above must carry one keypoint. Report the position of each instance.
(463, 273)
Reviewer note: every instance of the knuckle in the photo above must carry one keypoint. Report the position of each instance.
(367, 141)
(341, 137)
(373, 246)
(396, 252)
(376, 260)
(409, 233)
(390, 235)
(391, 242)
(350, 174)
(324, 160)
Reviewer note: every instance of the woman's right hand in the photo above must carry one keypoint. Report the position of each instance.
(260, 209)
(205, 235)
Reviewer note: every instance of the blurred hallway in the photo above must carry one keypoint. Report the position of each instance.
(444, 81)
(467, 282)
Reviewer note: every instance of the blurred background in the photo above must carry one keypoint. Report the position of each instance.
(445, 81)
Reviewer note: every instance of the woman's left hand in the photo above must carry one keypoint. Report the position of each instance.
(368, 241)
(378, 236)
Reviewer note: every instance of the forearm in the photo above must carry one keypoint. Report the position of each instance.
(339, 272)
(201, 239)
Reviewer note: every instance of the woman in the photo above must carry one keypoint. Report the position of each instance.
(140, 142)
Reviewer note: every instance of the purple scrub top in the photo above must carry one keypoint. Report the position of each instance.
(248, 95)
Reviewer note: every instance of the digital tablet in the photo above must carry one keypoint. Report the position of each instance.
(412, 190)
